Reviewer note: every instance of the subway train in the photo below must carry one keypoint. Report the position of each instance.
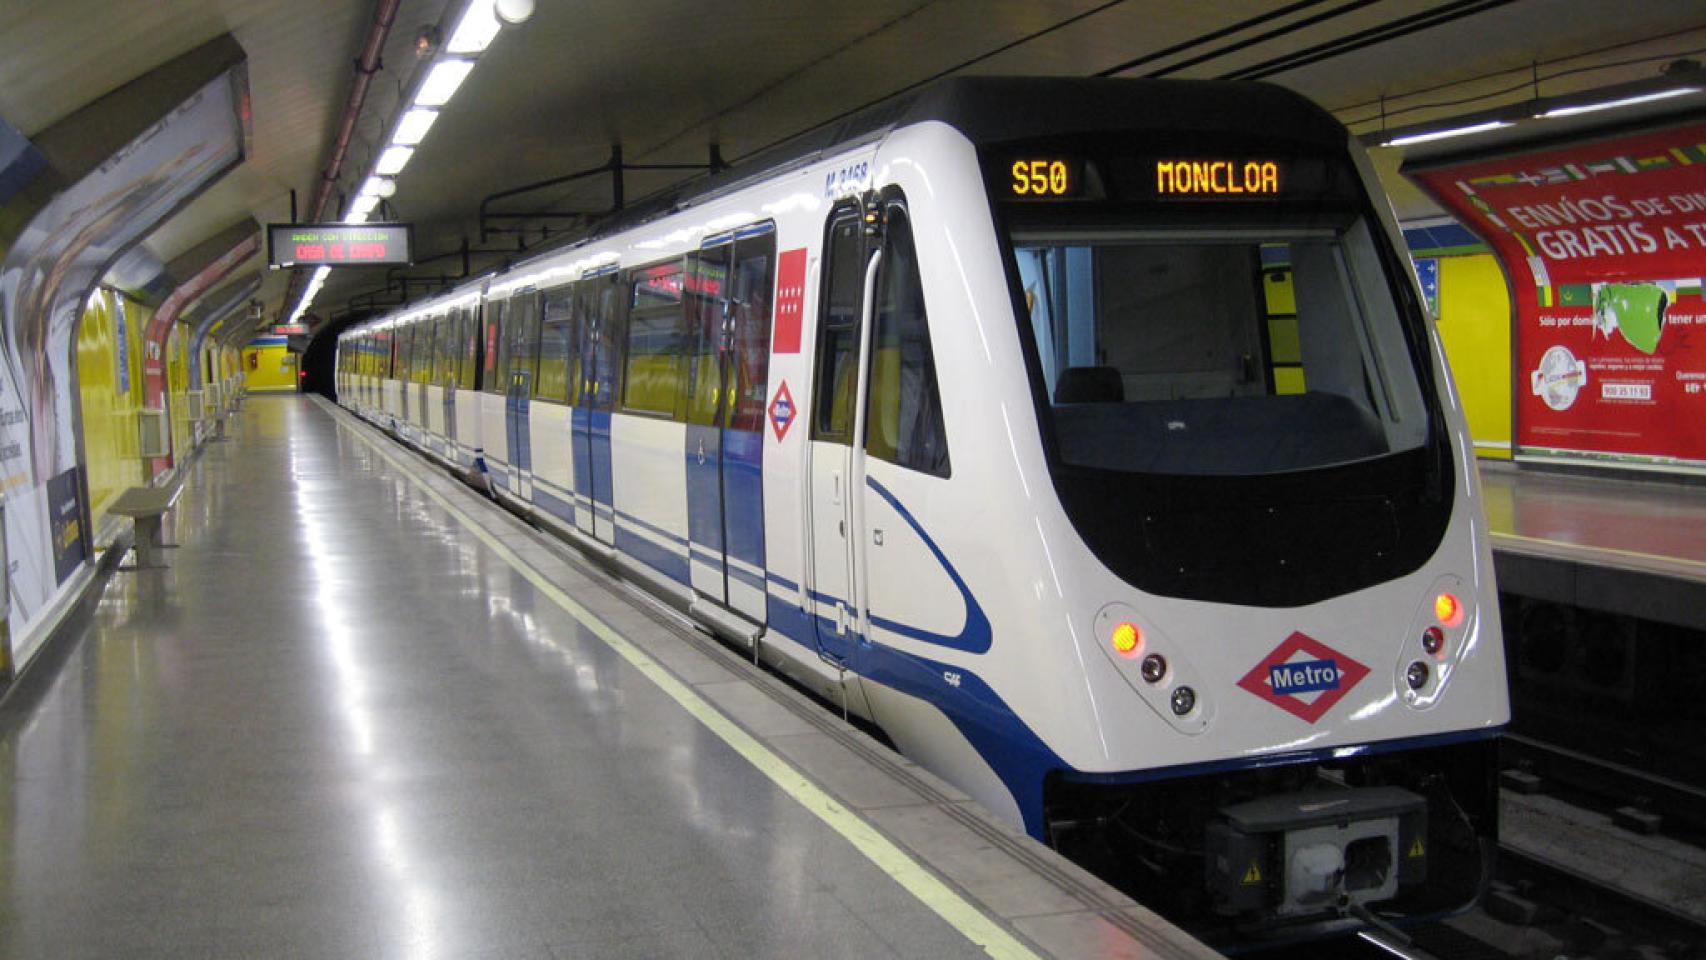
(1087, 438)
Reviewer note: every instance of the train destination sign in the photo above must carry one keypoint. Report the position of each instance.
(339, 244)
(1217, 178)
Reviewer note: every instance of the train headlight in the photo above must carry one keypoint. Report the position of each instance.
(1184, 701)
(1417, 675)
(1154, 668)
(1433, 640)
(1448, 609)
(1444, 625)
(1127, 640)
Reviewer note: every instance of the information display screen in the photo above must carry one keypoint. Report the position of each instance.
(1043, 178)
(339, 244)
(1114, 172)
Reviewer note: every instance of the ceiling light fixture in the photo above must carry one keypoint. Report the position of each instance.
(393, 160)
(1614, 104)
(413, 127)
(378, 187)
(477, 26)
(1445, 134)
(476, 30)
(442, 83)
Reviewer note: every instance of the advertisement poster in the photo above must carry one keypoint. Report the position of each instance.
(1604, 244)
(45, 279)
(65, 500)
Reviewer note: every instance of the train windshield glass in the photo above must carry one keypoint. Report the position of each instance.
(1221, 350)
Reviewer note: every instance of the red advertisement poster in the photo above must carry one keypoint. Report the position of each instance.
(1604, 244)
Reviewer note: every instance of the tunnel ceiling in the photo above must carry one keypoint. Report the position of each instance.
(666, 78)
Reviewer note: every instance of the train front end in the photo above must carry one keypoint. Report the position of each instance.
(1278, 550)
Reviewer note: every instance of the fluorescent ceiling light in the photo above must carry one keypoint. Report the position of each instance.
(1444, 134)
(356, 216)
(476, 30)
(1625, 102)
(441, 83)
(393, 160)
(365, 204)
(378, 187)
(412, 129)
(310, 293)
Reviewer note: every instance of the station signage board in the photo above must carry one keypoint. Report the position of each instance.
(1604, 245)
(339, 244)
(289, 329)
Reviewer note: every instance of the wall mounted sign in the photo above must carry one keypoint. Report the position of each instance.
(1604, 244)
(339, 244)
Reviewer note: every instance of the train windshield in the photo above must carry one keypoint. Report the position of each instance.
(1225, 349)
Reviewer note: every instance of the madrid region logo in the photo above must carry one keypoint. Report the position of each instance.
(1304, 677)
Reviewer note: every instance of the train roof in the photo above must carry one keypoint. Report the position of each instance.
(990, 110)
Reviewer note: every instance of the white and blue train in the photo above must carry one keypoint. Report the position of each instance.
(1087, 437)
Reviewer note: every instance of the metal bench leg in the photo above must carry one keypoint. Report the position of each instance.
(147, 538)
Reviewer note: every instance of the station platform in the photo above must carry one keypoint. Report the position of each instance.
(1634, 546)
(364, 713)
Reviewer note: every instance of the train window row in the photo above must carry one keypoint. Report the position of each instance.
(688, 340)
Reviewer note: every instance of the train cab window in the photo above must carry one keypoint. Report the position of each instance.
(652, 372)
(556, 334)
(903, 424)
(1220, 351)
(493, 376)
(838, 328)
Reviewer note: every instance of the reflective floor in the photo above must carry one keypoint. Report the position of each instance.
(339, 726)
(1656, 520)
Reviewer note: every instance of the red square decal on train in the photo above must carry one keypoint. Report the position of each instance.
(1304, 677)
(790, 301)
(782, 411)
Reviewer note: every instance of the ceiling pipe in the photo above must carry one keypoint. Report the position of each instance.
(369, 63)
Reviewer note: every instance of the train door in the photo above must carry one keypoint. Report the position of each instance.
(840, 344)
(596, 302)
(728, 289)
(523, 368)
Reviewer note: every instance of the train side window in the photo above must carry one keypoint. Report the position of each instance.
(523, 322)
(838, 329)
(493, 378)
(598, 357)
(556, 334)
(651, 381)
(706, 290)
(904, 420)
(405, 353)
(441, 340)
(468, 339)
(752, 283)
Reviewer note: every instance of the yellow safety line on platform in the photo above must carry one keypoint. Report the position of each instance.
(973, 923)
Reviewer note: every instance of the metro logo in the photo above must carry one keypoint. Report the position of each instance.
(1304, 677)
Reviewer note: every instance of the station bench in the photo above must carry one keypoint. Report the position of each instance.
(145, 506)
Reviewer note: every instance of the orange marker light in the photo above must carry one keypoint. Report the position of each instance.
(1127, 640)
(1448, 610)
